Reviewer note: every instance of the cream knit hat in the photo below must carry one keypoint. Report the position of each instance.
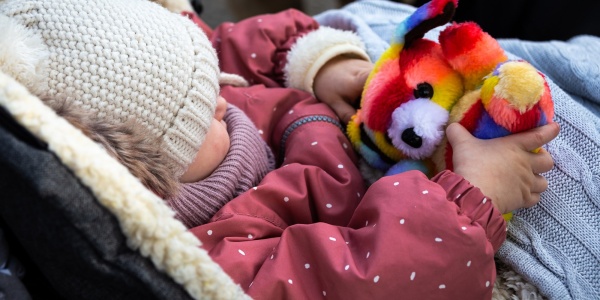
(119, 58)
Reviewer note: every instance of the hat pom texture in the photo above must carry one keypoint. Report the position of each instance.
(23, 55)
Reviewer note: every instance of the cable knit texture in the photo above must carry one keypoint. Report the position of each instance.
(555, 245)
(249, 159)
(116, 58)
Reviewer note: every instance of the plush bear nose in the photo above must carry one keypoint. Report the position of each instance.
(411, 138)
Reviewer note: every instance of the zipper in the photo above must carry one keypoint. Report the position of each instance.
(304, 121)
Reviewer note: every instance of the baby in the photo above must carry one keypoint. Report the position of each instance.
(268, 182)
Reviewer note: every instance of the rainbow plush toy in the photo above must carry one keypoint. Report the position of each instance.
(418, 86)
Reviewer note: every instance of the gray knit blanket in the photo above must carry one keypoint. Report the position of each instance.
(554, 246)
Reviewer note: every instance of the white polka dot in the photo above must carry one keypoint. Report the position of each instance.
(291, 112)
(366, 223)
(374, 224)
(272, 256)
(250, 236)
(324, 293)
(209, 232)
(274, 108)
(368, 254)
(402, 221)
(286, 199)
(376, 279)
(442, 286)
(259, 20)
(307, 266)
(425, 192)
(347, 267)
(484, 200)
(347, 243)
(229, 29)
(260, 131)
(332, 239)
(290, 281)
(487, 284)
(468, 263)
(396, 183)
(458, 196)
(412, 276)
(345, 146)
(251, 283)
(358, 195)
(253, 55)
(328, 205)
(439, 240)
(255, 188)
(314, 144)
(241, 252)
(340, 166)
(463, 228)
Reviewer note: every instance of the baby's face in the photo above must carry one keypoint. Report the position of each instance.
(213, 150)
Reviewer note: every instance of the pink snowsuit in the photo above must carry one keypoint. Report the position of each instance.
(311, 229)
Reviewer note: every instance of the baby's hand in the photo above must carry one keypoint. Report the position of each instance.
(504, 169)
(339, 84)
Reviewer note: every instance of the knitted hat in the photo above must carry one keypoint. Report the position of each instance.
(119, 58)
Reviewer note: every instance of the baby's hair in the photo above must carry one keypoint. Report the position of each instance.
(130, 143)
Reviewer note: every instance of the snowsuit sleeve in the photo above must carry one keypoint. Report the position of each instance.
(283, 49)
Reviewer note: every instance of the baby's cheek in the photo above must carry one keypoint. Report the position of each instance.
(220, 138)
(211, 154)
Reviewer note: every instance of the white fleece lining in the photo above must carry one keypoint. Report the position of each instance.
(312, 51)
(146, 221)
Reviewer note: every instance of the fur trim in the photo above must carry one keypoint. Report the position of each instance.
(129, 143)
(312, 51)
(510, 285)
(23, 55)
(176, 6)
(146, 221)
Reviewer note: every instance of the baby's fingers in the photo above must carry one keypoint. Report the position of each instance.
(533, 200)
(540, 184)
(538, 137)
(343, 110)
(541, 162)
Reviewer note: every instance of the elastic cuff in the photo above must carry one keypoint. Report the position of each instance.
(475, 205)
(312, 51)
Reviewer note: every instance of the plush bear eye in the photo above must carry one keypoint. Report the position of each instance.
(424, 90)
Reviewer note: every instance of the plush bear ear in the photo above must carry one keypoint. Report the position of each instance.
(23, 55)
(471, 52)
(425, 18)
(428, 16)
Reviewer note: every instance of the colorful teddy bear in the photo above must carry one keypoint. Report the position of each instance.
(418, 86)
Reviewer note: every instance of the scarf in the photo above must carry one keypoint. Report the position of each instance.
(249, 159)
